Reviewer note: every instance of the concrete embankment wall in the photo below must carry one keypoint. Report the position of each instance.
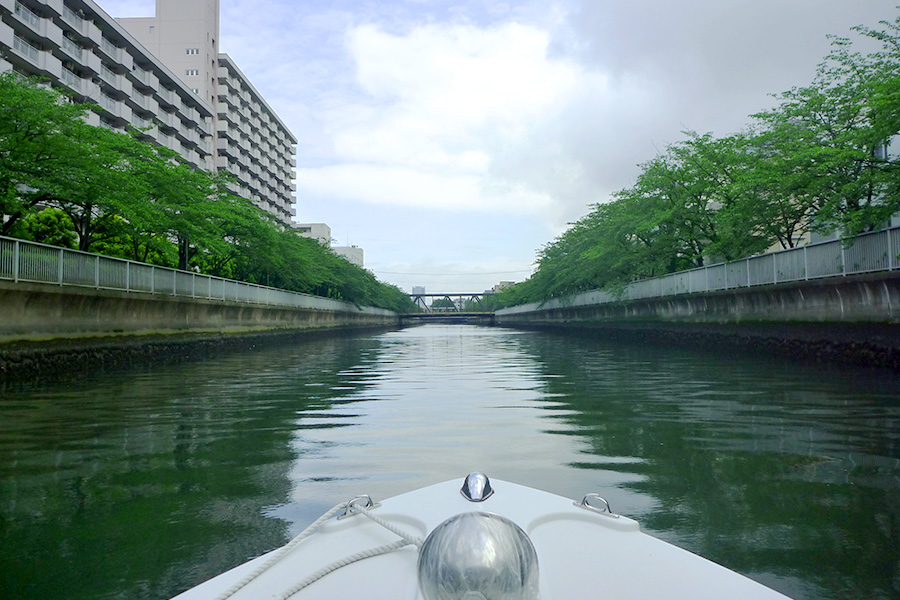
(849, 319)
(47, 328)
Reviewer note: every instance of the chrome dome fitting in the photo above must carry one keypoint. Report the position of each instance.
(478, 556)
(477, 487)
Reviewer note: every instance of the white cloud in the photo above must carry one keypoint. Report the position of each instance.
(441, 105)
(407, 186)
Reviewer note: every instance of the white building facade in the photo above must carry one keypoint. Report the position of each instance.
(317, 231)
(353, 254)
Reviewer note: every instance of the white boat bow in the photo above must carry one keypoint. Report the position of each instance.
(511, 542)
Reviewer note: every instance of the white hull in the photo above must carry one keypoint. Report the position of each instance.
(582, 554)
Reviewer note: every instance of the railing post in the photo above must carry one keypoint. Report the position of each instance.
(152, 279)
(843, 260)
(747, 262)
(774, 269)
(97, 273)
(193, 285)
(59, 274)
(16, 261)
(805, 265)
(890, 252)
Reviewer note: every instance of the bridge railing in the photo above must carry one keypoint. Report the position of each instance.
(29, 262)
(867, 253)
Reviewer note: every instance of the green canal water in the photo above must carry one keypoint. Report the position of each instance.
(139, 484)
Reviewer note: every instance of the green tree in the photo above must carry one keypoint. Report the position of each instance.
(838, 127)
(36, 127)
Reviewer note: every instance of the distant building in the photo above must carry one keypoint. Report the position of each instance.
(418, 290)
(352, 253)
(502, 286)
(317, 231)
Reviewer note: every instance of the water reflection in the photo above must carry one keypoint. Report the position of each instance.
(140, 484)
(785, 472)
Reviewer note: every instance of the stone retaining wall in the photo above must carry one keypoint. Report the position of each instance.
(844, 319)
(47, 329)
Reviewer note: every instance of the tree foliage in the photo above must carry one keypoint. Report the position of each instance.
(816, 162)
(67, 183)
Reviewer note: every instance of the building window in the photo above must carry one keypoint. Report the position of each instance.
(192, 51)
(192, 72)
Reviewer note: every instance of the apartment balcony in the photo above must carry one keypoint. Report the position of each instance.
(144, 104)
(72, 18)
(33, 60)
(166, 97)
(113, 107)
(224, 148)
(147, 128)
(26, 50)
(113, 54)
(54, 6)
(188, 134)
(87, 32)
(72, 49)
(206, 124)
(41, 28)
(222, 107)
(72, 80)
(91, 63)
(7, 39)
(173, 101)
(192, 157)
(109, 76)
(166, 120)
(221, 127)
(230, 118)
(144, 80)
(191, 115)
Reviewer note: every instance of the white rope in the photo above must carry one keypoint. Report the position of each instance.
(406, 540)
(415, 541)
(278, 554)
(343, 563)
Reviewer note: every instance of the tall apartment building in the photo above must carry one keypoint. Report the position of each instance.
(162, 73)
(252, 142)
(75, 45)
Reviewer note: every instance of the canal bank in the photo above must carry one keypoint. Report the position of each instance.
(853, 319)
(50, 329)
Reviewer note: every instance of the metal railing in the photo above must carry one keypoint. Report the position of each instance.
(29, 262)
(71, 78)
(27, 15)
(71, 47)
(26, 49)
(72, 17)
(867, 253)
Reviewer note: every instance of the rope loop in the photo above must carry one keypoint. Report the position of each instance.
(351, 507)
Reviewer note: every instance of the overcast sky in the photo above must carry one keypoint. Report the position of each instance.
(451, 140)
